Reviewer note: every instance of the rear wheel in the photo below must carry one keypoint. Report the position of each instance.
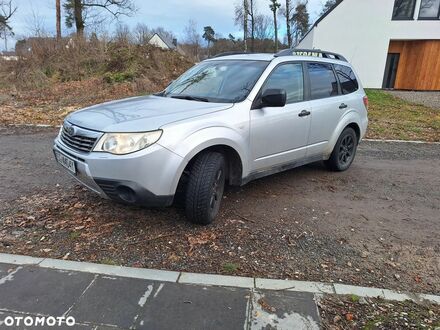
(344, 151)
(205, 187)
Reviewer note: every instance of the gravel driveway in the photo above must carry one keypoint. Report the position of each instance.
(375, 225)
(429, 99)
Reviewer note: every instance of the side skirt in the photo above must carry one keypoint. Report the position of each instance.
(280, 168)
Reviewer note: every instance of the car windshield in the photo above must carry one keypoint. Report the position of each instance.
(227, 81)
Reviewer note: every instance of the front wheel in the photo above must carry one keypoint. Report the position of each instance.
(344, 151)
(205, 188)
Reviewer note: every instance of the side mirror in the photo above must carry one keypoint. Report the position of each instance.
(274, 98)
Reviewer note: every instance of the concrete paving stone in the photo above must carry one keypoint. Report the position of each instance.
(430, 297)
(180, 306)
(115, 300)
(313, 287)
(43, 291)
(283, 310)
(359, 291)
(19, 259)
(219, 280)
(5, 269)
(148, 274)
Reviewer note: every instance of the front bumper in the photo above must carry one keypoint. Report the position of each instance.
(146, 177)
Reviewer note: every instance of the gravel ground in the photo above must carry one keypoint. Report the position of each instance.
(429, 99)
(353, 312)
(376, 224)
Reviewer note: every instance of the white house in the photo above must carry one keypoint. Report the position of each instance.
(390, 43)
(162, 42)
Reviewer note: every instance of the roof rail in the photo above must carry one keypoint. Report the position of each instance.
(230, 53)
(310, 52)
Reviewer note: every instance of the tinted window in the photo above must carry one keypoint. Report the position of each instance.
(290, 78)
(322, 81)
(429, 9)
(347, 79)
(404, 9)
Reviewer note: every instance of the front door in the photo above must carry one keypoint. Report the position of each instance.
(279, 135)
(391, 70)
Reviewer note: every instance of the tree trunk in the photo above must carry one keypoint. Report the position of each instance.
(252, 25)
(276, 29)
(79, 22)
(289, 31)
(58, 9)
(245, 23)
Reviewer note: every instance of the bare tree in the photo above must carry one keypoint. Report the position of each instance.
(287, 12)
(274, 6)
(192, 40)
(241, 20)
(58, 15)
(7, 10)
(142, 34)
(263, 27)
(81, 11)
(123, 34)
(245, 15)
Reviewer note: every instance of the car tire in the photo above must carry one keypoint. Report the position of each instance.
(344, 151)
(205, 188)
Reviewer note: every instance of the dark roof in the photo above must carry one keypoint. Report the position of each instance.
(338, 2)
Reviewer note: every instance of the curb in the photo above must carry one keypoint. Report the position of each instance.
(217, 280)
(399, 141)
(33, 125)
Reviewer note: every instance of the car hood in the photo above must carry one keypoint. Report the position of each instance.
(138, 114)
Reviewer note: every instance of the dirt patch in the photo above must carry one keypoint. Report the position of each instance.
(353, 312)
(374, 225)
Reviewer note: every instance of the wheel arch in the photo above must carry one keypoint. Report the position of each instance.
(352, 120)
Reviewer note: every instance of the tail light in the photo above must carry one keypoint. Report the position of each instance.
(365, 99)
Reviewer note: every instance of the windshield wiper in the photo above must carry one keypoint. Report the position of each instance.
(191, 98)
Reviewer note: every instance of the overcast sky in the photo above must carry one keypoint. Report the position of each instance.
(171, 14)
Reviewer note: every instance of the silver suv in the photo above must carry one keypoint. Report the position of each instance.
(233, 118)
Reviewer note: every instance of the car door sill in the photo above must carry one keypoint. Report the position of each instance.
(280, 168)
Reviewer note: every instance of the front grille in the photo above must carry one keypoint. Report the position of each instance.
(77, 140)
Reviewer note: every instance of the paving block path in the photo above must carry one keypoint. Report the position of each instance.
(100, 301)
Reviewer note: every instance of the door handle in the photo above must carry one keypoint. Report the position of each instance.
(304, 113)
(343, 106)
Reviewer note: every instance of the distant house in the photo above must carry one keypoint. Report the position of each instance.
(390, 43)
(8, 56)
(162, 42)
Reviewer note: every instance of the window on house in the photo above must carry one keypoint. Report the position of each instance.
(429, 9)
(404, 9)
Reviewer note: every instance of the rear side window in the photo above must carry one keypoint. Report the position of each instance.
(323, 82)
(290, 78)
(347, 79)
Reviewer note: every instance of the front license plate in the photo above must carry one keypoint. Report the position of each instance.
(66, 162)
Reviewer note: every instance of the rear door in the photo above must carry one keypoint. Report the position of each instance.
(327, 105)
(279, 134)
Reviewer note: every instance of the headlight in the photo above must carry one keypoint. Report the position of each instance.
(125, 143)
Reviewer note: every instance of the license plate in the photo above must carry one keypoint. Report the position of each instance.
(66, 162)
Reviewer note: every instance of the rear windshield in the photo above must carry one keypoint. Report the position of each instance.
(223, 81)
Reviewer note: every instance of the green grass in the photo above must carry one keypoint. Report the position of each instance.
(394, 118)
(109, 261)
(230, 267)
(74, 235)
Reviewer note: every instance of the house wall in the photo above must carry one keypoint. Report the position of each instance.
(158, 42)
(361, 31)
(419, 64)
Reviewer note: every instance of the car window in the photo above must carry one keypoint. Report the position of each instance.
(289, 77)
(347, 79)
(227, 81)
(322, 81)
